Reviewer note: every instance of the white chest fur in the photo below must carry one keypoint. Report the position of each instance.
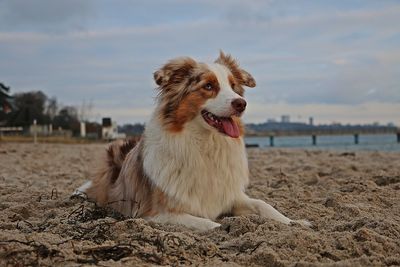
(202, 171)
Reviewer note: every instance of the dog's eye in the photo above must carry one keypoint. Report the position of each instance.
(208, 86)
(233, 85)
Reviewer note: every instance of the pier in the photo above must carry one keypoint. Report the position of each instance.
(272, 135)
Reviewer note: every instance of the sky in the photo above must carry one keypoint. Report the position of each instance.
(337, 61)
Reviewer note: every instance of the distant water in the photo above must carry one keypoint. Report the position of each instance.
(375, 142)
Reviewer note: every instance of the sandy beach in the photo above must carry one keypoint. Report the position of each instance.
(352, 199)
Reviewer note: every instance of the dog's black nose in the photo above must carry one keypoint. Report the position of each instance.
(239, 105)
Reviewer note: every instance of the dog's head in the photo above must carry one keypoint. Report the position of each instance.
(189, 89)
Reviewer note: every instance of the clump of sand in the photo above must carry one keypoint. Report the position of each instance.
(352, 199)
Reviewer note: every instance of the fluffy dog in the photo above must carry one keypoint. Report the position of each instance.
(190, 166)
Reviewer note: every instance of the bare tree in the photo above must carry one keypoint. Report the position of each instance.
(52, 107)
(85, 110)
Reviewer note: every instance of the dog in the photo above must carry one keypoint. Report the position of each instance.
(190, 166)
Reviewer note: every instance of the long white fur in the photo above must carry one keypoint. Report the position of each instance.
(185, 219)
(200, 169)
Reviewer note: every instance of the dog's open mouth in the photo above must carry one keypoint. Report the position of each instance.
(224, 125)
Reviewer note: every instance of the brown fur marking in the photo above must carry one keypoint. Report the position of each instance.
(116, 154)
(242, 76)
(183, 93)
(174, 72)
(236, 87)
(130, 192)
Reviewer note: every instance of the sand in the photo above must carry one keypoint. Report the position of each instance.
(352, 199)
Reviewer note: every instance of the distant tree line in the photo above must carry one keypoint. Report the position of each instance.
(303, 128)
(5, 103)
(131, 129)
(35, 105)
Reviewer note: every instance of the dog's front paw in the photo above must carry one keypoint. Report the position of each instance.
(302, 222)
(207, 225)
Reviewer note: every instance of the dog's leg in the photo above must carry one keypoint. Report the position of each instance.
(247, 205)
(185, 219)
(81, 191)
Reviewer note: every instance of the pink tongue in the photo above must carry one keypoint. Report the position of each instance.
(230, 127)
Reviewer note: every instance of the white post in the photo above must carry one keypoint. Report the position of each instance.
(83, 129)
(34, 132)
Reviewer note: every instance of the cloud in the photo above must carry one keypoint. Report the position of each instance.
(122, 115)
(44, 15)
(365, 113)
(313, 53)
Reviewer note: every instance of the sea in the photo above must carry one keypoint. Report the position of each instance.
(367, 142)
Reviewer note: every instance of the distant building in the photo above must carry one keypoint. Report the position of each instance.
(271, 120)
(6, 103)
(311, 121)
(285, 119)
(110, 130)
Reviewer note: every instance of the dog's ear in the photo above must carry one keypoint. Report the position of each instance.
(175, 71)
(243, 77)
